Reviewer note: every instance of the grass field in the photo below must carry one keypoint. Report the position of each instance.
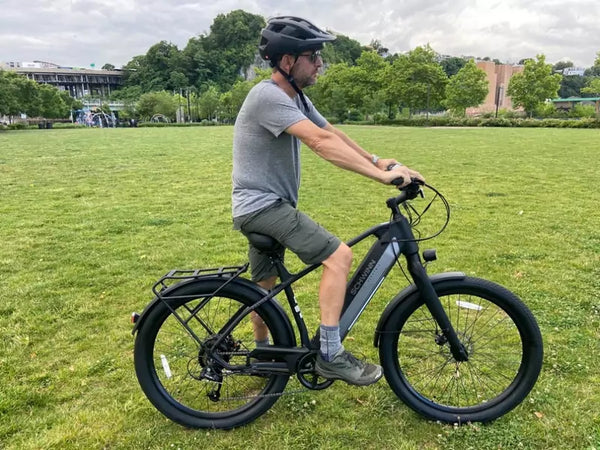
(90, 218)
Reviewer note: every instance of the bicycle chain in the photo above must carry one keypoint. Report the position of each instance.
(278, 394)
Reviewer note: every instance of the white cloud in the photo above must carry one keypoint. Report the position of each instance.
(78, 32)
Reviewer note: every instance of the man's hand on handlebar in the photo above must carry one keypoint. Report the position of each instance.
(400, 175)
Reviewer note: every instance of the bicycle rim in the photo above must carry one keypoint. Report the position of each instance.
(176, 372)
(502, 341)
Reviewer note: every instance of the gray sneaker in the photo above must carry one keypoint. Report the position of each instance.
(346, 367)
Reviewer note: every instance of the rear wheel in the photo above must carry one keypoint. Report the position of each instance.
(177, 369)
(500, 335)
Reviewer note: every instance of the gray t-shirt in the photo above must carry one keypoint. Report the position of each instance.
(266, 160)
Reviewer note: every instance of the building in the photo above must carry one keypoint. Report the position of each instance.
(567, 104)
(79, 82)
(498, 76)
(573, 71)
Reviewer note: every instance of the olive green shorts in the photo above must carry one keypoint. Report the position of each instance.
(293, 230)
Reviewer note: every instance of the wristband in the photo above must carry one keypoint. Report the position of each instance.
(374, 159)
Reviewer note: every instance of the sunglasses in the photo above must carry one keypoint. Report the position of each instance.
(313, 57)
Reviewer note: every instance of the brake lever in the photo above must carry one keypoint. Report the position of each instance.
(399, 181)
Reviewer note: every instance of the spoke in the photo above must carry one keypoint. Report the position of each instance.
(492, 339)
(490, 335)
(484, 325)
(439, 373)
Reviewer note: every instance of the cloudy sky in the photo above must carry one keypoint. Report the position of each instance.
(81, 32)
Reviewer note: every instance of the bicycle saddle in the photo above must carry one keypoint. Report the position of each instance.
(262, 242)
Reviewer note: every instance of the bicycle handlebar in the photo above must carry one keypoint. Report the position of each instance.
(409, 191)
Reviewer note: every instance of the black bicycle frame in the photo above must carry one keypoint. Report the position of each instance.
(394, 238)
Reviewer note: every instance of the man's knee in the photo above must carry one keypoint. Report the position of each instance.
(341, 259)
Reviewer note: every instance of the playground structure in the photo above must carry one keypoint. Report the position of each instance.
(98, 119)
(160, 118)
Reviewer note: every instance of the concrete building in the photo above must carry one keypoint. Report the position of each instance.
(498, 76)
(78, 82)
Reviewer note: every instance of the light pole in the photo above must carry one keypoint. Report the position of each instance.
(499, 92)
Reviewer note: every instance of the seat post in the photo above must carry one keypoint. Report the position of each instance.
(282, 271)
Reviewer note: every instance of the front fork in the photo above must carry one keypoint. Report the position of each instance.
(415, 267)
(425, 288)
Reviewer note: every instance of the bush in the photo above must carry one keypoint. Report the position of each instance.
(18, 126)
(68, 125)
(204, 123)
(546, 110)
(510, 114)
(355, 115)
(583, 111)
(454, 121)
(380, 117)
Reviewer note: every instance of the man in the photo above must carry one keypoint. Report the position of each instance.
(274, 118)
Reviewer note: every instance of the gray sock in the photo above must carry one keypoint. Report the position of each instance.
(262, 343)
(330, 341)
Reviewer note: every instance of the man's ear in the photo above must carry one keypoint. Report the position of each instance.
(287, 62)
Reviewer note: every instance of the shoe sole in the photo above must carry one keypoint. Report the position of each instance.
(334, 376)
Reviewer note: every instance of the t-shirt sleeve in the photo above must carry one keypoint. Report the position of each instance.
(277, 111)
(314, 115)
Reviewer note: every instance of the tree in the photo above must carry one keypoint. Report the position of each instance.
(108, 66)
(161, 61)
(344, 87)
(468, 87)
(8, 94)
(231, 101)
(19, 95)
(416, 80)
(27, 94)
(594, 71)
(562, 65)
(534, 85)
(524, 60)
(52, 105)
(452, 65)
(571, 85)
(153, 71)
(593, 87)
(153, 103)
(72, 103)
(229, 48)
(343, 49)
(209, 103)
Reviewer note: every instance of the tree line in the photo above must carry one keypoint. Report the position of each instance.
(19, 95)
(209, 78)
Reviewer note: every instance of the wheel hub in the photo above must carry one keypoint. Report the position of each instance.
(211, 369)
(466, 341)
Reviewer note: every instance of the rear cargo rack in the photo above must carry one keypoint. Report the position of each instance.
(227, 273)
(178, 275)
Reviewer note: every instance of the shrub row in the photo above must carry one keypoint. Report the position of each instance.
(419, 121)
(204, 123)
(446, 121)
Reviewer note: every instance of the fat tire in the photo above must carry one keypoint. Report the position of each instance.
(511, 396)
(146, 369)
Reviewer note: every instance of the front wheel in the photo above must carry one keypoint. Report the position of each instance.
(502, 339)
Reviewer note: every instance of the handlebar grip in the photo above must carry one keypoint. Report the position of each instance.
(397, 181)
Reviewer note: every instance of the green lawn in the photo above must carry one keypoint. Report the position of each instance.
(90, 218)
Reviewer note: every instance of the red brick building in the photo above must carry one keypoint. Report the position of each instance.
(498, 76)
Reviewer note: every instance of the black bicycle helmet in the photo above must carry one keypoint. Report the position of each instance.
(290, 35)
